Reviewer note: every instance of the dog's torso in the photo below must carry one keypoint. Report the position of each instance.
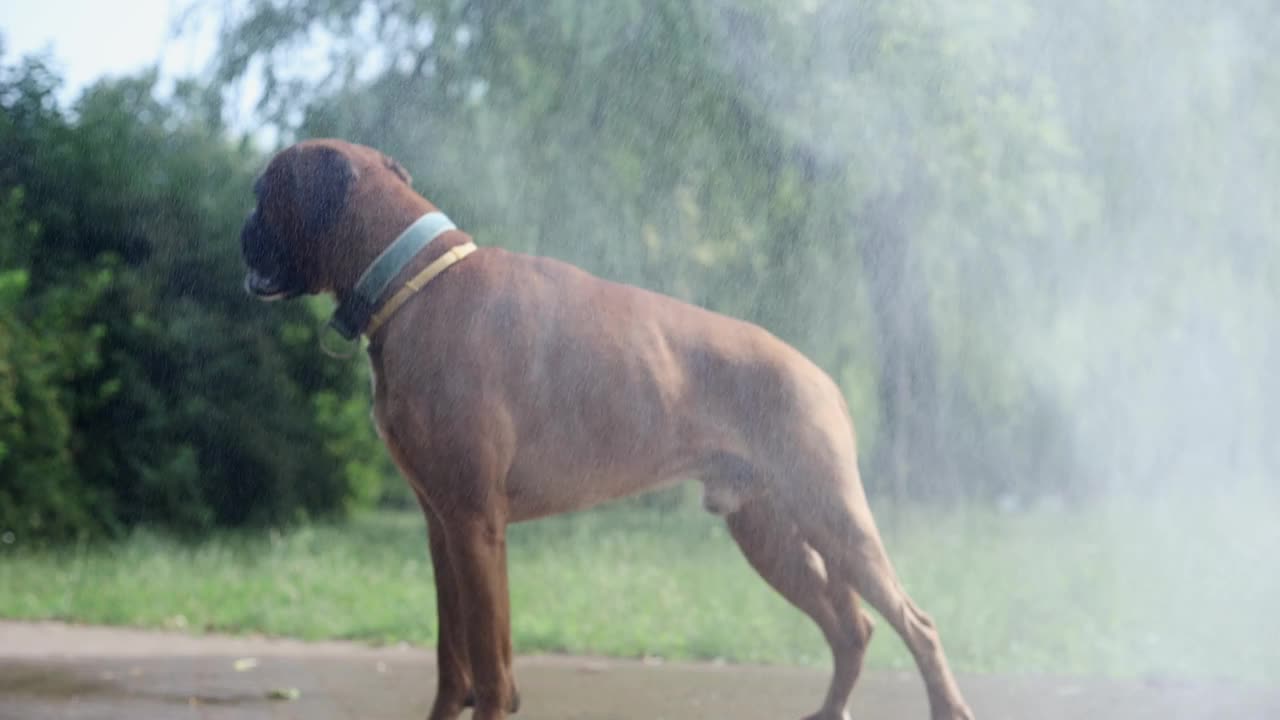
(589, 390)
(512, 387)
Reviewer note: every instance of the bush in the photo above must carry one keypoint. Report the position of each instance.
(139, 384)
(40, 492)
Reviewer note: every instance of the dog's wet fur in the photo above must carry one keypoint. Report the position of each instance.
(515, 387)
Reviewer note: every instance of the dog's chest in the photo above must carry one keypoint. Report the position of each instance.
(386, 429)
(378, 414)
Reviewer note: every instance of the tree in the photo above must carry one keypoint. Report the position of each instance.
(141, 378)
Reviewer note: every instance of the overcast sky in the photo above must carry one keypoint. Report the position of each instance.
(92, 38)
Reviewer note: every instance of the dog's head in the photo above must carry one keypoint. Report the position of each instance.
(302, 223)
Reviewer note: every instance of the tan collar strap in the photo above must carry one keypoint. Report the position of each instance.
(416, 283)
(352, 314)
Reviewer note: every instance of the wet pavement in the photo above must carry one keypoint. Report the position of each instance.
(50, 670)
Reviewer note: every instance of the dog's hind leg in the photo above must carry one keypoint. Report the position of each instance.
(769, 539)
(841, 529)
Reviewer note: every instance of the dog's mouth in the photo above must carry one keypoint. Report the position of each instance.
(270, 276)
(269, 288)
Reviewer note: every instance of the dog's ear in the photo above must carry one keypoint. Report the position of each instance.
(398, 169)
(322, 180)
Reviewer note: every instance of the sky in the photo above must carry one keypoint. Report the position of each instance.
(93, 38)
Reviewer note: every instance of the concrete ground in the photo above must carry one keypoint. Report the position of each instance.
(52, 670)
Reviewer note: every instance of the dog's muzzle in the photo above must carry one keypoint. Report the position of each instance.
(270, 275)
(265, 288)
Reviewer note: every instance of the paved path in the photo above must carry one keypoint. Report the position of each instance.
(51, 670)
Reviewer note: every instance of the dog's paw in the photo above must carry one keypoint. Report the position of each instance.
(470, 700)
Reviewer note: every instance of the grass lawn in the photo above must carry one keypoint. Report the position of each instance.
(1178, 588)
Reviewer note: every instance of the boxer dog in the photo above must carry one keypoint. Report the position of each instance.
(510, 387)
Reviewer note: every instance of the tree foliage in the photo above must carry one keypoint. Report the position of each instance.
(138, 382)
(1032, 241)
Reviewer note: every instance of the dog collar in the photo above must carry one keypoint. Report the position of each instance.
(358, 312)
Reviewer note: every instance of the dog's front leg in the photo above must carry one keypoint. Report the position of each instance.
(478, 552)
(453, 687)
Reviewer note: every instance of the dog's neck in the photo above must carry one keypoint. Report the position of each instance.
(380, 225)
(426, 244)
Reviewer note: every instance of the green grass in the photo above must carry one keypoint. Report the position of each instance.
(1186, 588)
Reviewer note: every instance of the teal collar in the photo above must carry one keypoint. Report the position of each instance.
(352, 316)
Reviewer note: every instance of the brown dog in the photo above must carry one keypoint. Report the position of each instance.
(515, 387)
